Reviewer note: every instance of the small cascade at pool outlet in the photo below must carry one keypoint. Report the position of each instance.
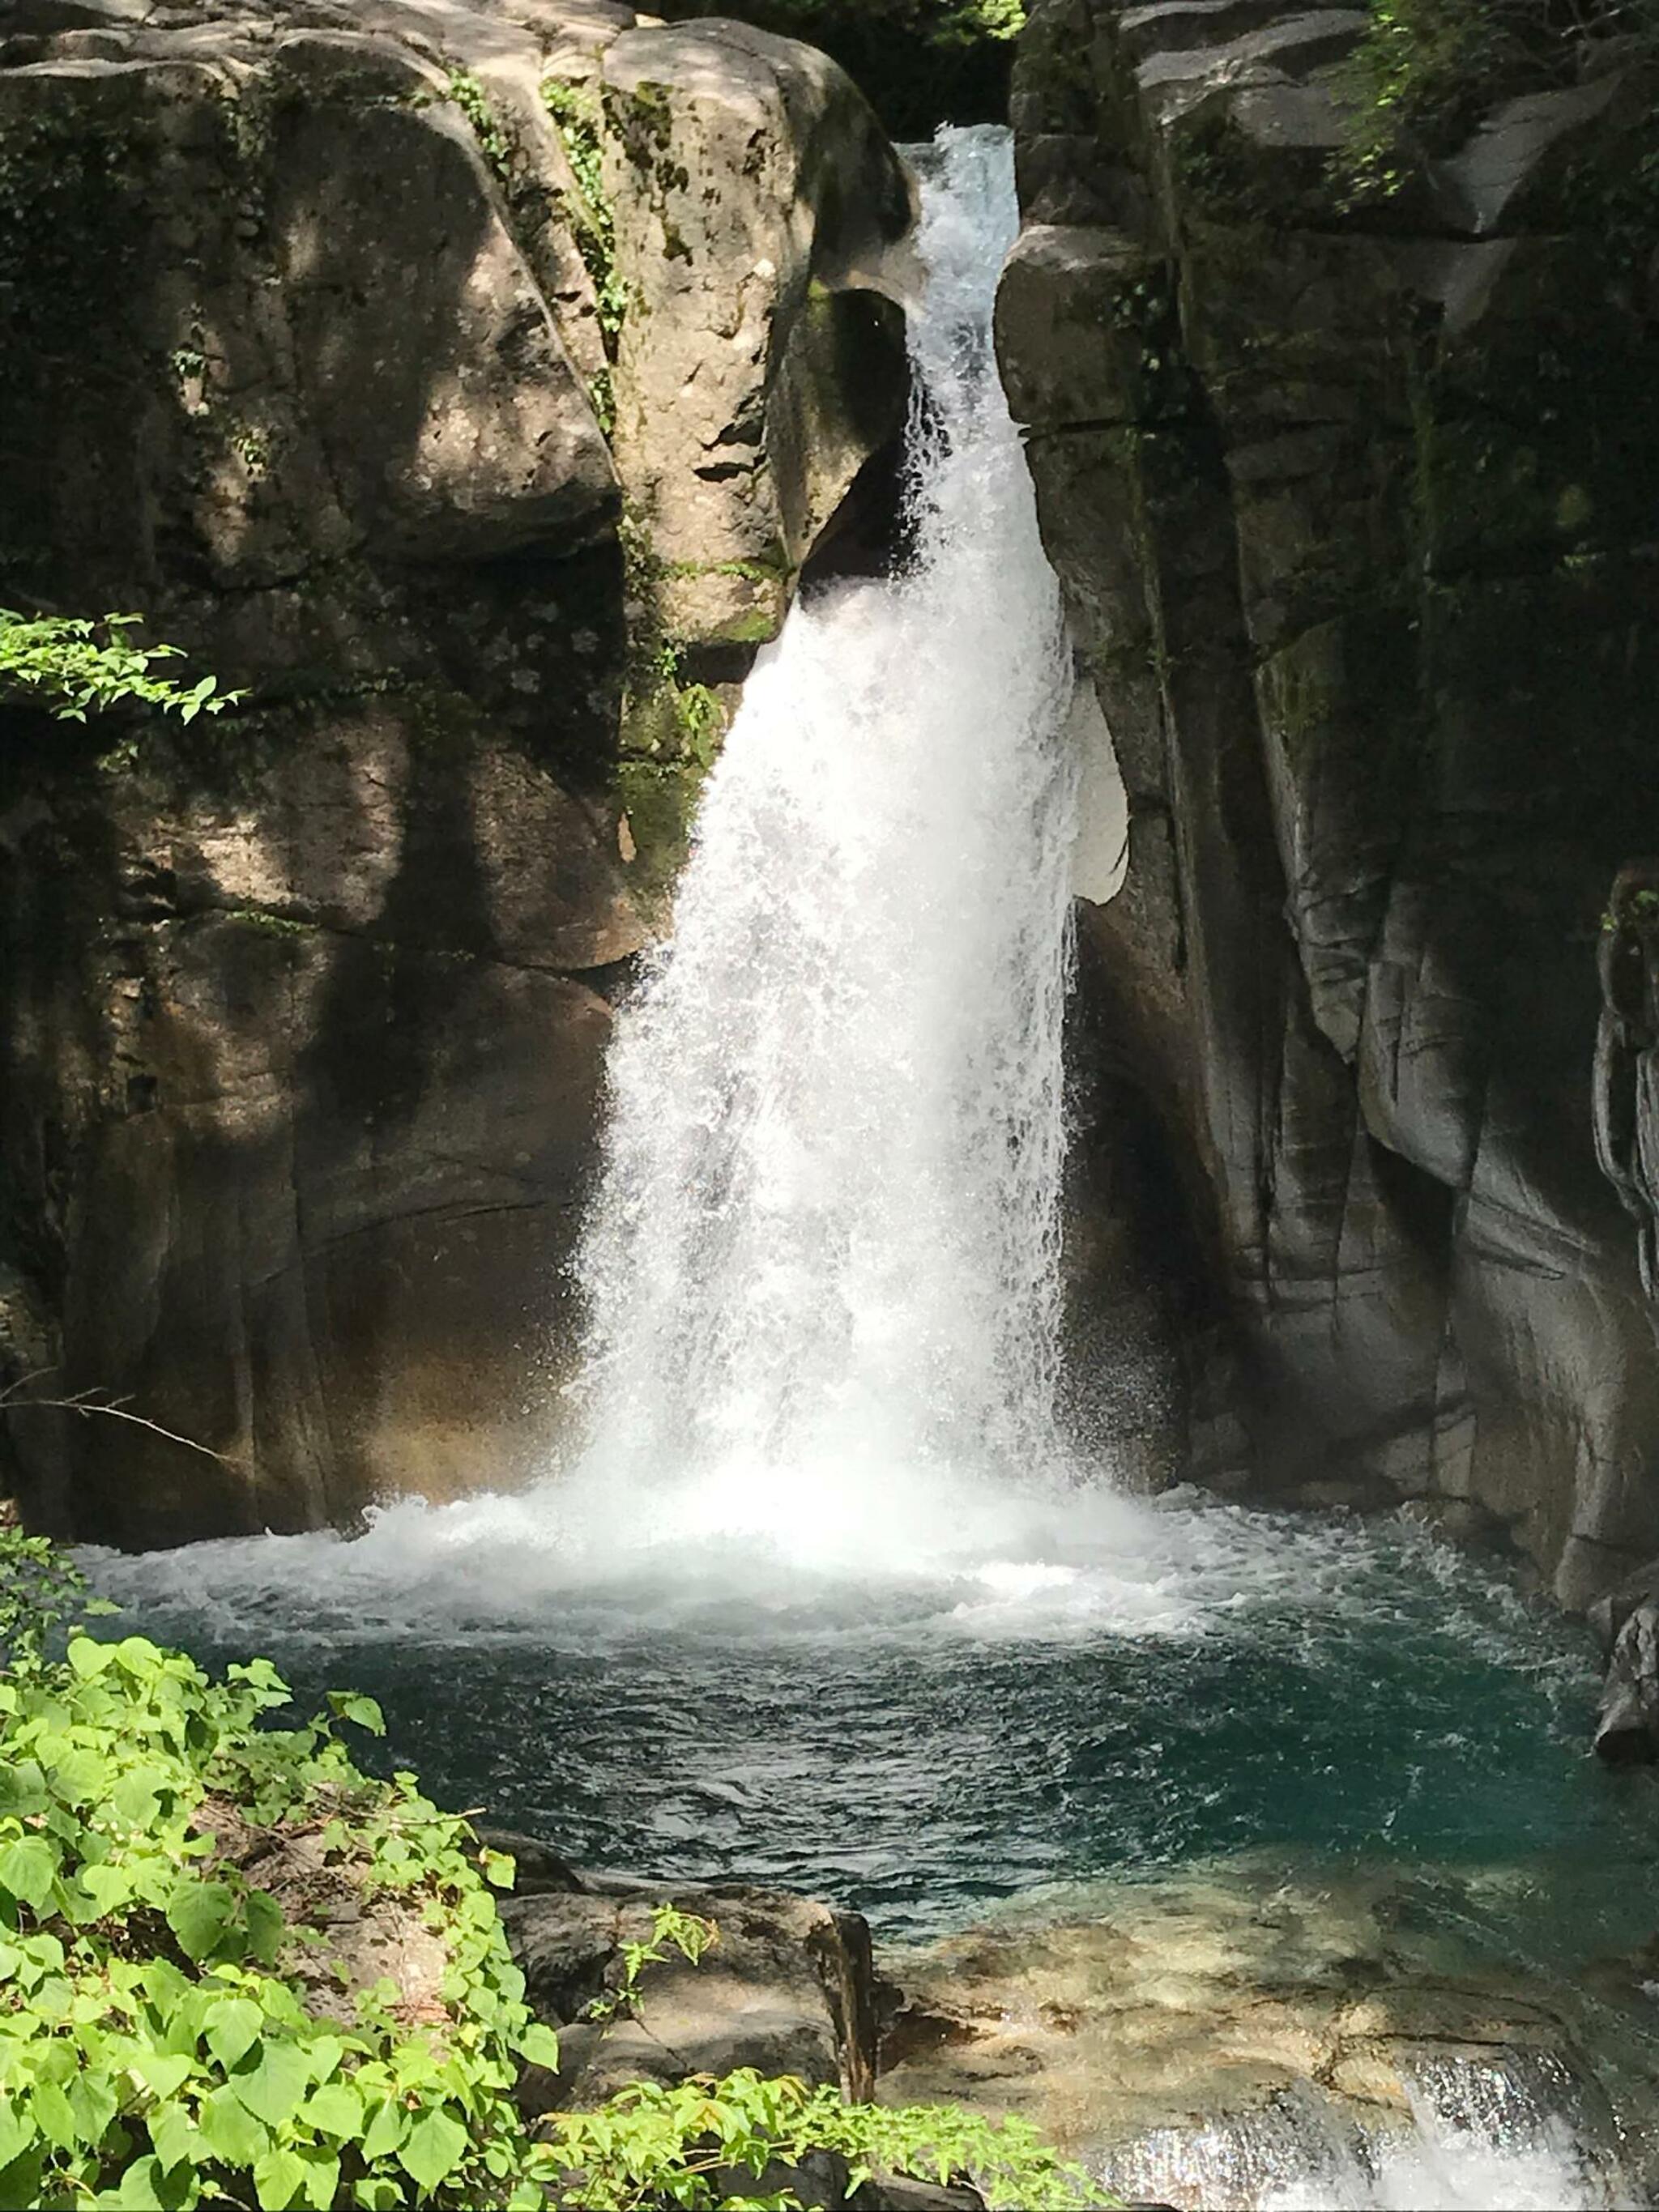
(821, 1593)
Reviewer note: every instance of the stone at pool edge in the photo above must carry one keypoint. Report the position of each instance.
(565, 1925)
(789, 1988)
(1627, 1719)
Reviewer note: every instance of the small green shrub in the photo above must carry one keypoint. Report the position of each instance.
(40, 1591)
(688, 1933)
(1426, 71)
(174, 2032)
(1413, 75)
(72, 666)
(578, 117)
(469, 96)
(686, 2144)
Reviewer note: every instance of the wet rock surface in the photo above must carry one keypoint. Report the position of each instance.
(1351, 508)
(1212, 2037)
(787, 1987)
(1627, 1724)
(308, 352)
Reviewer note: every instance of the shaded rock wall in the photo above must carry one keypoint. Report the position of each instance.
(1353, 511)
(306, 351)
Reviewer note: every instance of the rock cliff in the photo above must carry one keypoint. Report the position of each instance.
(1352, 494)
(468, 383)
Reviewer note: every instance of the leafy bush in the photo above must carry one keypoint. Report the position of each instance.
(171, 2030)
(1425, 70)
(40, 1590)
(176, 2029)
(687, 2144)
(63, 664)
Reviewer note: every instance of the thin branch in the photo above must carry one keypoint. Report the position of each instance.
(85, 1402)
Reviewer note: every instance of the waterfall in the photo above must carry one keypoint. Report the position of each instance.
(1515, 2130)
(822, 1271)
(813, 1603)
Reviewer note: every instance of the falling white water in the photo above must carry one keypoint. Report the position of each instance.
(1516, 2131)
(822, 1272)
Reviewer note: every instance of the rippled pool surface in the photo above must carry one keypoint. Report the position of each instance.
(1196, 1682)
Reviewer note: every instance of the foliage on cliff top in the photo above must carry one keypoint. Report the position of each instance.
(1425, 71)
(919, 63)
(72, 666)
(177, 1876)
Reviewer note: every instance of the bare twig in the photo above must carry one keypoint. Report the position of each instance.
(87, 1403)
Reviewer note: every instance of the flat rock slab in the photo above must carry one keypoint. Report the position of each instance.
(786, 1987)
(1173, 2036)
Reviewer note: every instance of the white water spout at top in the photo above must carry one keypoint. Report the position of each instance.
(822, 1271)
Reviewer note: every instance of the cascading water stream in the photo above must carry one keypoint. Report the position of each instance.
(823, 1272)
(820, 1598)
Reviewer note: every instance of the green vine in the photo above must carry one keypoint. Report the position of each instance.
(578, 118)
(1425, 70)
(469, 96)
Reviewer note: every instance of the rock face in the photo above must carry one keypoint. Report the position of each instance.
(754, 373)
(786, 1988)
(314, 323)
(1627, 1725)
(1352, 508)
(1234, 2037)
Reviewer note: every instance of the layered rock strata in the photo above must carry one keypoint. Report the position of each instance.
(1352, 494)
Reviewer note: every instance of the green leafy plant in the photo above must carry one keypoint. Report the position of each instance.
(40, 1591)
(73, 667)
(689, 2143)
(174, 2030)
(670, 1931)
(579, 119)
(1412, 73)
(1425, 70)
(469, 96)
(178, 1879)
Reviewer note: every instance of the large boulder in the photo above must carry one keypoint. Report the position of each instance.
(303, 353)
(1350, 502)
(754, 199)
(785, 1987)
